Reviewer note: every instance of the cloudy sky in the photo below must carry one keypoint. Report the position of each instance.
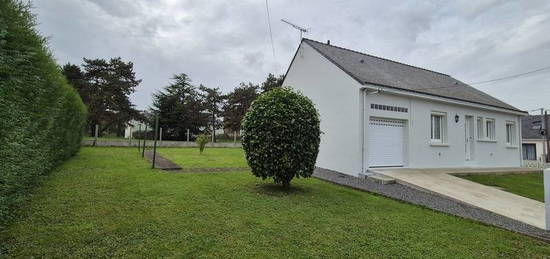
(222, 43)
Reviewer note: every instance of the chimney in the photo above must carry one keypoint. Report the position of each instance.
(328, 42)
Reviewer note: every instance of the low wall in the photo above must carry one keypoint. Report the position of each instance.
(149, 143)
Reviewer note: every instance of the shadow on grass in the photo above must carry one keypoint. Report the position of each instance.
(273, 189)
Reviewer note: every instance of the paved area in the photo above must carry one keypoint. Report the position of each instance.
(161, 162)
(430, 200)
(443, 182)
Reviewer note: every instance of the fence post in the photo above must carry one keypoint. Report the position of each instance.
(547, 197)
(160, 135)
(131, 133)
(96, 134)
(155, 141)
(187, 135)
(144, 139)
(234, 138)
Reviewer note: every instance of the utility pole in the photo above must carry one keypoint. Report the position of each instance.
(139, 140)
(144, 139)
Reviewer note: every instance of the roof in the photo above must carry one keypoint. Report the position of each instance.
(368, 69)
(530, 127)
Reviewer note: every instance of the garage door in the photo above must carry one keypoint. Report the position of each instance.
(385, 143)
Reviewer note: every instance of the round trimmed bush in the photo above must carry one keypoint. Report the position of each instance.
(281, 135)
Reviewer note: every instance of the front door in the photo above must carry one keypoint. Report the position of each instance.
(469, 137)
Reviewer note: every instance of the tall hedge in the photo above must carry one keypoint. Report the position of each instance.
(281, 135)
(41, 115)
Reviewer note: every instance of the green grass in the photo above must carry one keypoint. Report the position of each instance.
(106, 202)
(526, 185)
(211, 157)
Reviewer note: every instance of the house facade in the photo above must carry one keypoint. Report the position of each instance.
(533, 141)
(381, 113)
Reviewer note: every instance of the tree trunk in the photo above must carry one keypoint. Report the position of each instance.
(286, 183)
(213, 127)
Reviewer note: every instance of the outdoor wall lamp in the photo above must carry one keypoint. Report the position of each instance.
(457, 118)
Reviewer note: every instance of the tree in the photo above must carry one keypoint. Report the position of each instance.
(75, 76)
(180, 108)
(105, 87)
(212, 100)
(272, 82)
(238, 102)
(281, 136)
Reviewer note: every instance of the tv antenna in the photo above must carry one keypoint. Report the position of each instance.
(301, 29)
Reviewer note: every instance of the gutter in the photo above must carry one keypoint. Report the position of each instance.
(442, 99)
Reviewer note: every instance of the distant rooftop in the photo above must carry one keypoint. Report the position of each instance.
(530, 127)
(368, 69)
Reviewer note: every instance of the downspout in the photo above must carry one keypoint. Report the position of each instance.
(362, 97)
(363, 92)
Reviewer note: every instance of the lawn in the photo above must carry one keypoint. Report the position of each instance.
(211, 157)
(527, 185)
(106, 202)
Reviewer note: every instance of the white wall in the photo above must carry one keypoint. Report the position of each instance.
(421, 154)
(337, 97)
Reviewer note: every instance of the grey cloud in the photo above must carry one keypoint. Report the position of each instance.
(222, 43)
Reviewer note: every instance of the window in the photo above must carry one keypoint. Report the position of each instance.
(438, 127)
(510, 133)
(490, 129)
(480, 134)
(529, 151)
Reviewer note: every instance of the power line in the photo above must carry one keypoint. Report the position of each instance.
(511, 77)
(493, 80)
(270, 33)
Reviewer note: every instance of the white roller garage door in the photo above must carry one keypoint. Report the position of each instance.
(385, 143)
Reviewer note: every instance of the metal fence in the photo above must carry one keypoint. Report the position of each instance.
(535, 164)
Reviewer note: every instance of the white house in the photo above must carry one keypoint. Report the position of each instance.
(381, 113)
(533, 142)
(133, 126)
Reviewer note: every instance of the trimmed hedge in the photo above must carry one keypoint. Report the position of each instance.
(41, 116)
(281, 135)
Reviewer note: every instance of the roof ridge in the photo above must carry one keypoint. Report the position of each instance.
(362, 53)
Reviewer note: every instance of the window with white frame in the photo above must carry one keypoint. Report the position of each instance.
(480, 134)
(438, 130)
(510, 133)
(490, 129)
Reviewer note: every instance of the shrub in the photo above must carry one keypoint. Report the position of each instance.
(202, 140)
(41, 116)
(281, 136)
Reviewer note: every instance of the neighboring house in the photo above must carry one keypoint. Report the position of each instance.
(381, 113)
(533, 142)
(133, 126)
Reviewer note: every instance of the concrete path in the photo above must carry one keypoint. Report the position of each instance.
(442, 182)
(161, 162)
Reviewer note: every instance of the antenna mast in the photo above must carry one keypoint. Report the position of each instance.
(301, 29)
